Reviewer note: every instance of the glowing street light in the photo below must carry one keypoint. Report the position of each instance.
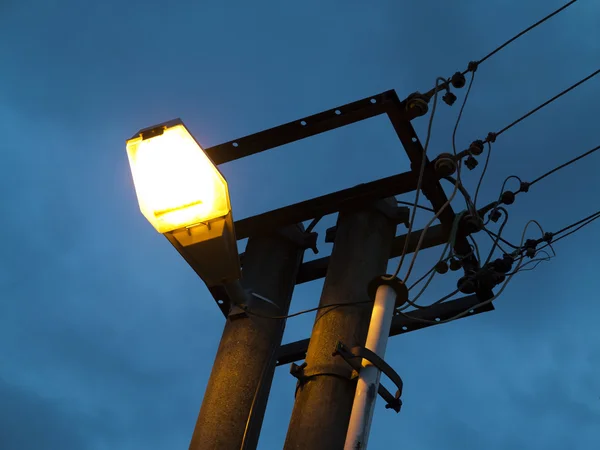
(182, 193)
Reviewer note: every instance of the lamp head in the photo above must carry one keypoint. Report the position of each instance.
(177, 184)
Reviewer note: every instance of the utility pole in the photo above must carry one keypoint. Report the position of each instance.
(236, 395)
(325, 391)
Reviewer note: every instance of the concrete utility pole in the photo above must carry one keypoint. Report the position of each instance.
(325, 393)
(243, 370)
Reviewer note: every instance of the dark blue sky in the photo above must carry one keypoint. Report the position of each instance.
(106, 335)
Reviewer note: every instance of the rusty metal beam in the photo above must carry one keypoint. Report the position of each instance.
(351, 198)
(303, 128)
(296, 351)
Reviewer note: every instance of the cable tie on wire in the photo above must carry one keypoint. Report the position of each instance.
(524, 186)
(548, 237)
(491, 137)
(472, 66)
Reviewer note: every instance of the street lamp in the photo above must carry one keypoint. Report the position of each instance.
(182, 193)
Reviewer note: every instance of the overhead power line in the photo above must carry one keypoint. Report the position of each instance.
(472, 67)
(492, 136)
(525, 31)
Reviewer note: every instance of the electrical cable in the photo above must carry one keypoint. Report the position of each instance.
(460, 113)
(562, 166)
(255, 397)
(539, 22)
(500, 230)
(463, 191)
(443, 258)
(420, 179)
(568, 227)
(475, 248)
(591, 219)
(448, 202)
(524, 186)
(487, 161)
(496, 238)
(299, 313)
(492, 137)
(425, 208)
(474, 65)
(479, 305)
(582, 223)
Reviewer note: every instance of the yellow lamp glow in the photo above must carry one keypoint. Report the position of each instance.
(177, 184)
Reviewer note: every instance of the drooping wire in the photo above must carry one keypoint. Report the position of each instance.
(475, 247)
(425, 208)
(497, 238)
(479, 305)
(443, 258)
(499, 235)
(448, 202)
(537, 262)
(420, 179)
(483, 172)
(536, 109)
(305, 311)
(460, 113)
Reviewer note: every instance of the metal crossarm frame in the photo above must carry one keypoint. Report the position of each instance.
(354, 197)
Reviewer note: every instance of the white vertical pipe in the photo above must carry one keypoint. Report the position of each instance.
(368, 382)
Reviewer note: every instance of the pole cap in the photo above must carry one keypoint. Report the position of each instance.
(394, 282)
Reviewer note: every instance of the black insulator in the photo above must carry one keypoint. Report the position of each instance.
(524, 186)
(472, 224)
(472, 66)
(495, 215)
(471, 163)
(504, 264)
(467, 284)
(441, 267)
(548, 237)
(417, 104)
(487, 280)
(444, 165)
(458, 80)
(508, 197)
(491, 137)
(449, 98)
(455, 265)
(530, 252)
(476, 147)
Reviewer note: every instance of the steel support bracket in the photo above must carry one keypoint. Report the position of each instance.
(354, 359)
(301, 238)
